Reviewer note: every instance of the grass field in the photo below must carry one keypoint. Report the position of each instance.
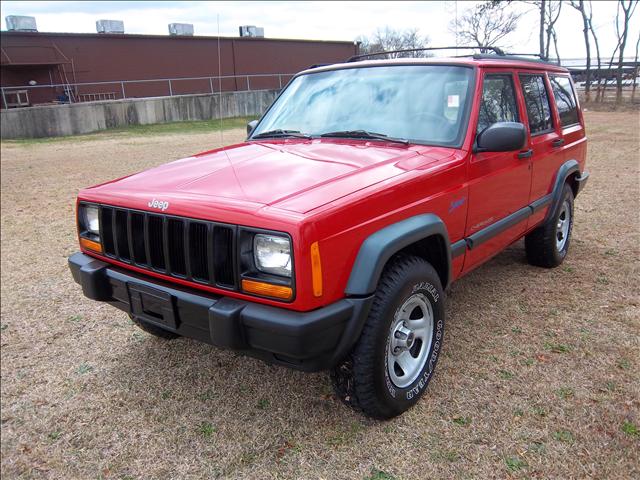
(539, 377)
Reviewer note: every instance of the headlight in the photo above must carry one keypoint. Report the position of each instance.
(90, 220)
(272, 254)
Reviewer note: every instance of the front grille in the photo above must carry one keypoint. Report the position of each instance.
(185, 248)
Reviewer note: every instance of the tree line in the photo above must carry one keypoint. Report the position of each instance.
(491, 23)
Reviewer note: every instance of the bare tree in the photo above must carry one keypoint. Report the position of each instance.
(549, 11)
(389, 39)
(486, 25)
(552, 14)
(598, 57)
(628, 8)
(636, 70)
(613, 56)
(542, 5)
(581, 7)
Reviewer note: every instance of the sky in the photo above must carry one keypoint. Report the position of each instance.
(316, 20)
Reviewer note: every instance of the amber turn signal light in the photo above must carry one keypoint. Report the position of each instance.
(266, 289)
(90, 245)
(316, 270)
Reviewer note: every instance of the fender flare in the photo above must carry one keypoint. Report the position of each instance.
(380, 246)
(567, 169)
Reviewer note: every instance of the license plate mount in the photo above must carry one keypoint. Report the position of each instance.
(152, 305)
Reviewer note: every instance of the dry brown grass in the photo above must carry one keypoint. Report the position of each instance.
(540, 375)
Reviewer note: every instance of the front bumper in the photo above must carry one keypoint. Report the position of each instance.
(308, 341)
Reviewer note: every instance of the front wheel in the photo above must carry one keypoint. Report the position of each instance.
(395, 356)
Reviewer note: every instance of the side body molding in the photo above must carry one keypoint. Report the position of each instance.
(378, 248)
(570, 167)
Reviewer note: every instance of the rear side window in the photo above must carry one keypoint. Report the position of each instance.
(498, 101)
(537, 102)
(565, 100)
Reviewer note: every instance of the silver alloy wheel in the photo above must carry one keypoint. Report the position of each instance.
(563, 225)
(410, 340)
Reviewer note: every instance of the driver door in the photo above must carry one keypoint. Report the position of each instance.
(499, 182)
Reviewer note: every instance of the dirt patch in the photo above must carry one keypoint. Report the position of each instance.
(540, 373)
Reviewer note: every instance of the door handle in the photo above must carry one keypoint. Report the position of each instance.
(525, 154)
(557, 143)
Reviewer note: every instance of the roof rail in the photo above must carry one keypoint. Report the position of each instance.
(522, 57)
(355, 58)
(540, 56)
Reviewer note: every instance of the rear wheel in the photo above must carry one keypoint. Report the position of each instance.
(395, 356)
(152, 329)
(548, 245)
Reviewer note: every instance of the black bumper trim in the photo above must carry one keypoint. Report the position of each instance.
(582, 181)
(308, 341)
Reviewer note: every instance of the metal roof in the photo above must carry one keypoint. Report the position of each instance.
(169, 37)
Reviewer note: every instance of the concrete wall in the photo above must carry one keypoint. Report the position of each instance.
(73, 119)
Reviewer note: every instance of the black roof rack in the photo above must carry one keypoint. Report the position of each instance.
(541, 57)
(521, 57)
(498, 54)
(496, 50)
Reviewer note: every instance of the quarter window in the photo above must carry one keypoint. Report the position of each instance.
(537, 102)
(498, 101)
(565, 100)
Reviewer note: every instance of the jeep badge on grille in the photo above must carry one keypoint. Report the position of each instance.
(159, 204)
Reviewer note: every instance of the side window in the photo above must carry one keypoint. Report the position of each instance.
(537, 102)
(498, 101)
(565, 100)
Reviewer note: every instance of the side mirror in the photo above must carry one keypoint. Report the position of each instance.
(251, 126)
(502, 137)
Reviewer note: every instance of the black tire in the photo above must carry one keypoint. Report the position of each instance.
(541, 244)
(362, 380)
(152, 329)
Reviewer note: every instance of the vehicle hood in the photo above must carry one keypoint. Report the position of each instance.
(296, 175)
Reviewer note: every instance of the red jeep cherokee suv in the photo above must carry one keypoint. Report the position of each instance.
(328, 238)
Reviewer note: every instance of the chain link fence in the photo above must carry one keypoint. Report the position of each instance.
(31, 95)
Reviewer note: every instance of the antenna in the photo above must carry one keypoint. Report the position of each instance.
(220, 110)
(220, 84)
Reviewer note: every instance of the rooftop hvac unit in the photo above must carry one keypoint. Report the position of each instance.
(110, 26)
(181, 29)
(251, 31)
(20, 23)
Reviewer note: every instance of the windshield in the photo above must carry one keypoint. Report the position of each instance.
(421, 103)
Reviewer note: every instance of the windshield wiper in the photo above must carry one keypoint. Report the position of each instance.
(364, 134)
(282, 133)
